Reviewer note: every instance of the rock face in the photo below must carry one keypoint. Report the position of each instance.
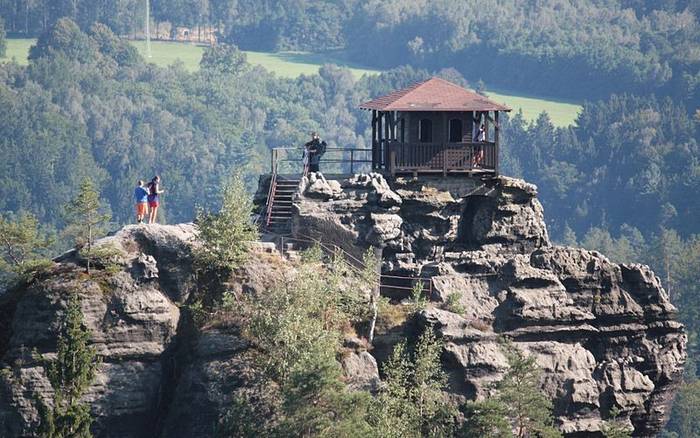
(604, 334)
(133, 315)
(158, 375)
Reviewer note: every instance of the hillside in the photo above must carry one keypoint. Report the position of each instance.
(293, 64)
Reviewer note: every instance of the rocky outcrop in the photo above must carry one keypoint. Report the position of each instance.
(604, 334)
(132, 311)
(160, 373)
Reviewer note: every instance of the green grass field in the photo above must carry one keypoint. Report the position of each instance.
(18, 48)
(560, 113)
(284, 64)
(293, 64)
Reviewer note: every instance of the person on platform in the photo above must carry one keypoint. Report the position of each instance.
(479, 138)
(141, 200)
(154, 192)
(313, 150)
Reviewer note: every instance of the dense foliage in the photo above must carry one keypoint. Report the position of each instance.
(625, 154)
(411, 403)
(23, 248)
(227, 234)
(70, 374)
(518, 408)
(297, 330)
(606, 46)
(3, 35)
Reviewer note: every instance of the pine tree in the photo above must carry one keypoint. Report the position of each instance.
(226, 235)
(85, 219)
(22, 245)
(529, 409)
(488, 418)
(518, 408)
(412, 402)
(70, 374)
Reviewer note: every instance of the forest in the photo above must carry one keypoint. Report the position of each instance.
(637, 46)
(624, 179)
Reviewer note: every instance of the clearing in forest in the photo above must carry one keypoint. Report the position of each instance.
(293, 64)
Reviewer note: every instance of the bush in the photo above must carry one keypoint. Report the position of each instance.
(226, 235)
(453, 305)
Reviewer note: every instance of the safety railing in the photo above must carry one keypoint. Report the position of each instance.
(441, 157)
(386, 281)
(289, 160)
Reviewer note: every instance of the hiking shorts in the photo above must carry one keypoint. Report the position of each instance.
(153, 204)
(141, 209)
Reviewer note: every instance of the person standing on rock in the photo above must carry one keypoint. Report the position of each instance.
(313, 150)
(154, 193)
(141, 200)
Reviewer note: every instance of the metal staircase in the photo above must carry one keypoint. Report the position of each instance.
(279, 204)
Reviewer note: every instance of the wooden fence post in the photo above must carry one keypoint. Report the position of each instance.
(444, 159)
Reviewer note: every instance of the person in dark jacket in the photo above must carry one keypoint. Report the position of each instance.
(154, 192)
(313, 150)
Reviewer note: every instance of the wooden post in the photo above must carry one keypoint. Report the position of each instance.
(387, 132)
(403, 130)
(352, 159)
(445, 142)
(444, 160)
(392, 162)
(496, 127)
(408, 125)
(380, 147)
(486, 126)
(375, 145)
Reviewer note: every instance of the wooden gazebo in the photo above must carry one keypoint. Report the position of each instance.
(435, 126)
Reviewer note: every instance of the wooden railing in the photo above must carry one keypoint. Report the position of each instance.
(335, 160)
(441, 157)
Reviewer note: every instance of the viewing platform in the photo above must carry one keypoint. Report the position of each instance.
(432, 127)
(435, 126)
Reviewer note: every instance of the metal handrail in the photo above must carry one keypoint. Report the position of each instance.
(331, 251)
(352, 160)
(270, 195)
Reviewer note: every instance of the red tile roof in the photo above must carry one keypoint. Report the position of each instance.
(434, 94)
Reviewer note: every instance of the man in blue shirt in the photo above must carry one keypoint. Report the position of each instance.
(141, 199)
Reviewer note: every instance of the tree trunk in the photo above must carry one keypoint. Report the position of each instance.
(89, 253)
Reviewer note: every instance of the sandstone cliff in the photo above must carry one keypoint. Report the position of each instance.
(604, 334)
